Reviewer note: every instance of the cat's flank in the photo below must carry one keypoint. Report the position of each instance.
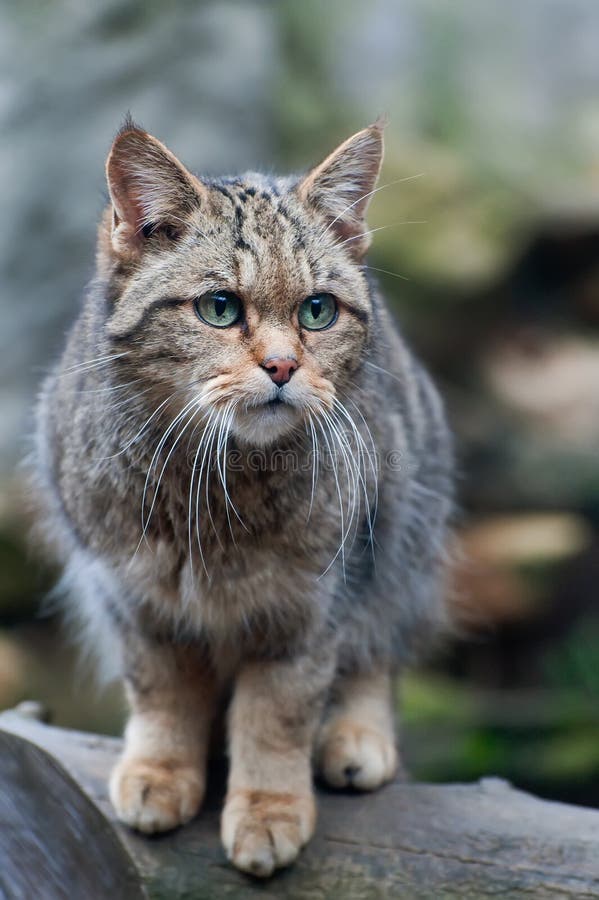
(248, 476)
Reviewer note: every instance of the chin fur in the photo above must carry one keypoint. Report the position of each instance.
(263, 426)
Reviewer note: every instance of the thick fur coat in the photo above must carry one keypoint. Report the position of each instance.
(251, 506)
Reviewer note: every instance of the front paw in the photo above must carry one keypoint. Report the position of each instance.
(353, 755)
(265, 830)
(152, 795)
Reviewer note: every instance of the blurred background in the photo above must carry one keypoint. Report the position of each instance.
(495, 120)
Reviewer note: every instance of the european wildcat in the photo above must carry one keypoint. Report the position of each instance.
(249, 477)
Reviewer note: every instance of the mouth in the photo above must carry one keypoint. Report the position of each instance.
(261, 423)
(277, 402)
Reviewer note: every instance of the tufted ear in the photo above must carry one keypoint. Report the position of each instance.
(340, 187)
(151, 191)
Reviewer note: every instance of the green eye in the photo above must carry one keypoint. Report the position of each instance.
(218, 308)
(317, 312)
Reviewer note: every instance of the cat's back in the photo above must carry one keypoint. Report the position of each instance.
(402, 393)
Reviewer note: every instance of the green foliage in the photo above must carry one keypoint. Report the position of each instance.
(574, 663)
(544, 740)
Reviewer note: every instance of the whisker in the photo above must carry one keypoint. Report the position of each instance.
(222, 468)
(365, 196)
(386, 272)
(363, 234)
(211, 430)
(212, 414)
(192, 404)
(219, 442)
(384, 371)
(105, 390)
(205, 395)
(341, 551)
(314, 462)
(88, 364)
(372, 460)
(361, 476)
(211, 241)
(206, 457)
(227, 433)
(348, 417)
(352, 474)
(143, 428)
(131, 399)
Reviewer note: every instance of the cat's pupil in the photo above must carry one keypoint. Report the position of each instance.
(220, 305)
(316, 308)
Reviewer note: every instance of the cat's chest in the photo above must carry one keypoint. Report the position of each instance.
(220, 553)
(242, 589)
(240, 509)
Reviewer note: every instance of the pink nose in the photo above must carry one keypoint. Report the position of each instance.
(280, 368)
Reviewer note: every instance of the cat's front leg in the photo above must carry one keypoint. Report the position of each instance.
(356, 744)
(270, 810)
(160, 779)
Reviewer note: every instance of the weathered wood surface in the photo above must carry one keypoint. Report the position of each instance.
(59, 838)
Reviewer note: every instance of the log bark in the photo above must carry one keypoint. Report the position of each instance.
(59, 838)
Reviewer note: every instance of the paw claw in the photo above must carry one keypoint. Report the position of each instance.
(351, 755)
(153, 796)
(263, 831)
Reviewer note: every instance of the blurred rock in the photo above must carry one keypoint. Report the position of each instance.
(505, 562)
(197, 75)
(527, 540)
(528, 422)
(554, 382)
(33, 709)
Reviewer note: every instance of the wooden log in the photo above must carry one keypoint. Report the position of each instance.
(59, 838)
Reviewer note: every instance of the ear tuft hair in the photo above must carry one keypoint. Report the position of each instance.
(129, 125)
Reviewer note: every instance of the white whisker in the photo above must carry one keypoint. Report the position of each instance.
(206, 457)
(222, 467)
(130, 399)
(365, 196)
(384, 371)
(386, 272)
(351, 472)
(314, 462)
(105, 390)
(89, 364)
(361, 476)
(363, 451)
(363, 234)
(341, 550)
(191, 405)
(143, 428)
(201, 442)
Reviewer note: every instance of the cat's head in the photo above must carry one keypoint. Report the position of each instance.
(242, 297)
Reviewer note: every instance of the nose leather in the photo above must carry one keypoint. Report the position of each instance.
(280, 368)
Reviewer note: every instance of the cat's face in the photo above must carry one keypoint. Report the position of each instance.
(244, 299)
